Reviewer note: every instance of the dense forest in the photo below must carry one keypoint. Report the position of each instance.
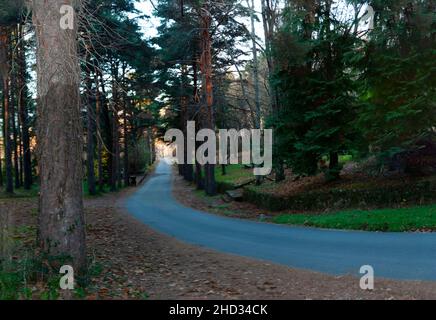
(82, 109)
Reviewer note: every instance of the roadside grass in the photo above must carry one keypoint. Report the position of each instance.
(204, 197)
(416, 218)
(34, 191)
(99, 192)
(235, 174)
(387, 220)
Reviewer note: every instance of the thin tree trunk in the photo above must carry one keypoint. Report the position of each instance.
(7, 137)
(196, 100)
(27, 160)
(269, 17)
(255, 76)
(20, 157)
(107, 119)
(207, 113)
(15, 145)
(150, 145)
(99, 133)
(255, 66)
(61, 228)
(5, 71)
(115, 146)
(12, 108)
(126, 145)
(90, 136)
(1, 169)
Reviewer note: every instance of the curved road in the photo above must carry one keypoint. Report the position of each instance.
(392, 255)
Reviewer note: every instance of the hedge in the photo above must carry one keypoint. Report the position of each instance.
(368, 197)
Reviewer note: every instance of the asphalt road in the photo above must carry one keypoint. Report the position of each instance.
(392, 255)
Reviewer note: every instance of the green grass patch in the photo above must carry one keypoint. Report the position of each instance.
(393, 220)
(20, 193)
(234, 173)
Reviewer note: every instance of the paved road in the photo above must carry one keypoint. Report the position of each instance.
(392, 255)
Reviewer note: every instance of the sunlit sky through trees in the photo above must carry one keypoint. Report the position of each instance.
(150, 24)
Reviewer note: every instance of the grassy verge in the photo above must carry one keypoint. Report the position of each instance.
(34, 190)
(394, 220)
(236, 174)
(21, 193)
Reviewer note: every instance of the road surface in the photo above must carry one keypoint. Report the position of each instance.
(409, 256)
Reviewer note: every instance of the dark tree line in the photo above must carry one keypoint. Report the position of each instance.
(198, 43)
(16, 171)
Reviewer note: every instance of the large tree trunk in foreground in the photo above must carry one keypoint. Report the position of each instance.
(61, 232)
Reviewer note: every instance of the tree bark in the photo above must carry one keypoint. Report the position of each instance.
(255, 66)
(23, 114)
(106, 114)
(269, 17)
(98, 133)
(5, 72)
(90, 149)
(114, 155)
(197, 175)
(61, 228)
(207, 113)
(14, 86)
(126, 145)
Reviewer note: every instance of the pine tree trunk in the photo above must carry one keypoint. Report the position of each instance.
(7, 138)
(269, 20)
(99, 133)
(114, 124)
(90, 149)
(12, 109)
(107, 120)
(20, 153)
(150, 145)
(197, 176)
(126, 146)
(27, 160)
(255, 65)
(61, 228)
(1, 171)
(207, 113)
(5, 68)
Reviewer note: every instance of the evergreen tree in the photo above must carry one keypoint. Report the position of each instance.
(316, 86)
(398, 76)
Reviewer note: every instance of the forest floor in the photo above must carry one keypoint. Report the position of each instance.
(131, 261)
